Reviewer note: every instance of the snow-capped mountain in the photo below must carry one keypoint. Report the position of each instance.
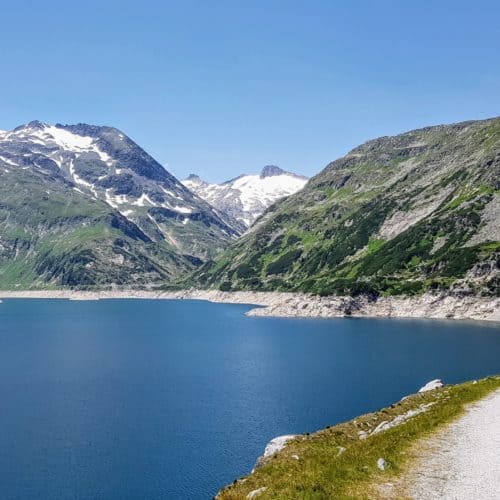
(104, 163)
(247, 196)
(92, 188)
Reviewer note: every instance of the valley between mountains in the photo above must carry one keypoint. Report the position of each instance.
(83, 207)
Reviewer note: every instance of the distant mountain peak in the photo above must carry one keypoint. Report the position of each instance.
(194, 178)
(32, 125)
(246, 197)
(36, 124)
(271, 170)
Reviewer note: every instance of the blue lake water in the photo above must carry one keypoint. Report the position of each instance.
(124, 399)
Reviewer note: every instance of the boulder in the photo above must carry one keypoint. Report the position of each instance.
(433, 384)
(275, 445)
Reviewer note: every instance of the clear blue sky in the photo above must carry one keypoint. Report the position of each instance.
(223, 87)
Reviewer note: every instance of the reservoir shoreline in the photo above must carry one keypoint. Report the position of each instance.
(299, 305)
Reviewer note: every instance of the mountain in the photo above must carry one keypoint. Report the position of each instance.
(406, 214)
(83, 205)
(246, 197)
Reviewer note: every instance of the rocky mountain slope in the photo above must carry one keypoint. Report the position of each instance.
(246, 197)
(406, 214)
(84, 205)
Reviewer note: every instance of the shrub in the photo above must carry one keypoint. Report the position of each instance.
(225, 286)
(284, 262)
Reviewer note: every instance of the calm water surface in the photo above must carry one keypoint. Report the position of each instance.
(129, 399)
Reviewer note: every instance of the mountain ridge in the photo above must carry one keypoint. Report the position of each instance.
(94, 182)
(85, 206)
(403, 214)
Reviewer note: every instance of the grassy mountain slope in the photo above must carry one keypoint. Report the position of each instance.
(52, 236)
(397, 215)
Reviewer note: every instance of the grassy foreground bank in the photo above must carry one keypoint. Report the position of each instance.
(342, 461)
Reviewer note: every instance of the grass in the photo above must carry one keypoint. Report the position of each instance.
(16, 274)
(80, 235)
(323, 470)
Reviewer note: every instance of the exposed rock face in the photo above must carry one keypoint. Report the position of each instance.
(271, 171)
(401, 220)
(284, 304)
(490, 226)
(245, 198)
(402, 215)
(425, 306)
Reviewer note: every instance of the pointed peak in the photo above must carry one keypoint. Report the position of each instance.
(36, 124)
(32, 125)
(195, 178)
(271, 170)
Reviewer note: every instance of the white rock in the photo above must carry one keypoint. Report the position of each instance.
(362, 434)
(433, 384)
(381, 464)
(257, 492)
(277, 444)
(386, 425)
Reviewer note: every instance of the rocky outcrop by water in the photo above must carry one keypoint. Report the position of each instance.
(298, 305)
(425, 306)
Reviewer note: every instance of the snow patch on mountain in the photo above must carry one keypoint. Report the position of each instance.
(103, 163)
(142, 200)
(8, 161)
(246, 197)
(78, 180)
(51, 135)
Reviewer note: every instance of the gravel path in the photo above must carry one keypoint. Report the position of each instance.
(463, 460)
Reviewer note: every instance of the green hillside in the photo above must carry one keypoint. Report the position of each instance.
(406, 214)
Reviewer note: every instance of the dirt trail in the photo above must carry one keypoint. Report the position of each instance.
(461, 461)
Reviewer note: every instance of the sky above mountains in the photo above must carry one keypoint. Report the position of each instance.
(219, 88)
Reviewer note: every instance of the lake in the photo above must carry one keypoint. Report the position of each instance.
(129, 399)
